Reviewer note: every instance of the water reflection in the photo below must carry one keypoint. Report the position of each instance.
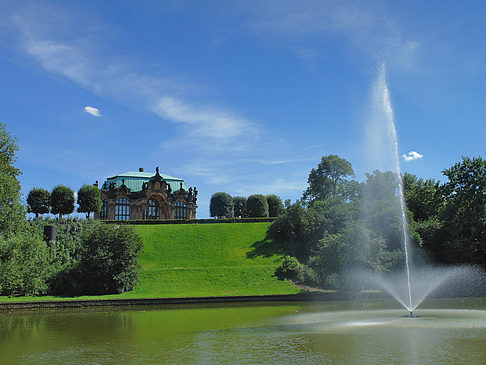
(271, 333)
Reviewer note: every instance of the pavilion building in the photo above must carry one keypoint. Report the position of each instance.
(144, 195)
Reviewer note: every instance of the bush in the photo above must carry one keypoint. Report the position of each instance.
(275, 206)
(221, 205)
(257, 206)
(24, 265)
(109, 259)
(239, 206)
(290, 269)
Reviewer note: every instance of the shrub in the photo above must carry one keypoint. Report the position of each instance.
(221, 205)
(23, 264)
(257, 206)
(275, 206)
(109, 259)
(290, 269)
(239, 206)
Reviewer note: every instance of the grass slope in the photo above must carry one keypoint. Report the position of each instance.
(206, 260)
(185, 260)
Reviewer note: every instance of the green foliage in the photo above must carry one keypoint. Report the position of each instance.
(239, 206)
(89, 199)
(290, 269)
(221, 205)
(24, 259)
(422, 196)
(62, 200)
(109, 259)
(380, 207)
(257, 206)
(39, 201)
(353, 248)
(326, 181)
(275, 206)
(12, 214)
(464, 211)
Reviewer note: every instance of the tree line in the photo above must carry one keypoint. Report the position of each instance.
(255, 206)
(341, 224)
(61, 200)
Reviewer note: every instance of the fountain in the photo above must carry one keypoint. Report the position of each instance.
(411, 287)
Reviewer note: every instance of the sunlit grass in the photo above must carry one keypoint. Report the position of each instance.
(186, 260)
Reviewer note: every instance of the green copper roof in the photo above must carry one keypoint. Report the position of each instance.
(135, 179)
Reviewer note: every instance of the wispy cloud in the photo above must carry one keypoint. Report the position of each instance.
(92, 110)
(412, 155)
(377, 33)
(204, 121)
(76, 57)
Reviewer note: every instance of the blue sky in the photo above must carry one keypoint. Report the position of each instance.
(236, 96)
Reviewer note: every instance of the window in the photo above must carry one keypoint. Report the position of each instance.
(152, 209)
(180, 210)
(122, 209)
(104, 210)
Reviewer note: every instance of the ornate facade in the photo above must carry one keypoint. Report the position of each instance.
(141, 195)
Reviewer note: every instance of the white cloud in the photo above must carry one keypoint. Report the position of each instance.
(203, 121)
(412, 155)
(92, 110)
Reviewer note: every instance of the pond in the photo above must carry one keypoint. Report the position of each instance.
(374, 332)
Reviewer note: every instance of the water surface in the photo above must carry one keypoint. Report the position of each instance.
(373, 332)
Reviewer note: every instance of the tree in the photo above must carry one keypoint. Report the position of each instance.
(464, 212)
(221, 205)
(12, 214)
(109, 259)
(39, 201)
(89, 199)
(422, 196)
(257, 206)
(275, 206)
(62, 200)
(324, 182)
(239, 206)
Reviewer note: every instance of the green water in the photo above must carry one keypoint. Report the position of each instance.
(446, 331)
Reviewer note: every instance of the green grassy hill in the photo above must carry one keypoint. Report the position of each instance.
(180, 260)
(186, 260)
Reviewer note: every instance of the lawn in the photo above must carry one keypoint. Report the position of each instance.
(185, 260)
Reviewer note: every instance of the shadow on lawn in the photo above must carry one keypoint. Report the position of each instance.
(267, 248)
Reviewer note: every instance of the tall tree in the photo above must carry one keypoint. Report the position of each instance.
(62, 200)
(325, 181)
(12, 213)
(275, 206)
(221, 205)
(464, 211)
(422, 196)
(39, 201)
(89, 199)
(239, 206)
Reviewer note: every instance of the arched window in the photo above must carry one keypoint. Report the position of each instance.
(104, 210)
(180, 210)
(122, 209)
(152, 209)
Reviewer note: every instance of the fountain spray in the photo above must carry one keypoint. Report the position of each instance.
(388, 110)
